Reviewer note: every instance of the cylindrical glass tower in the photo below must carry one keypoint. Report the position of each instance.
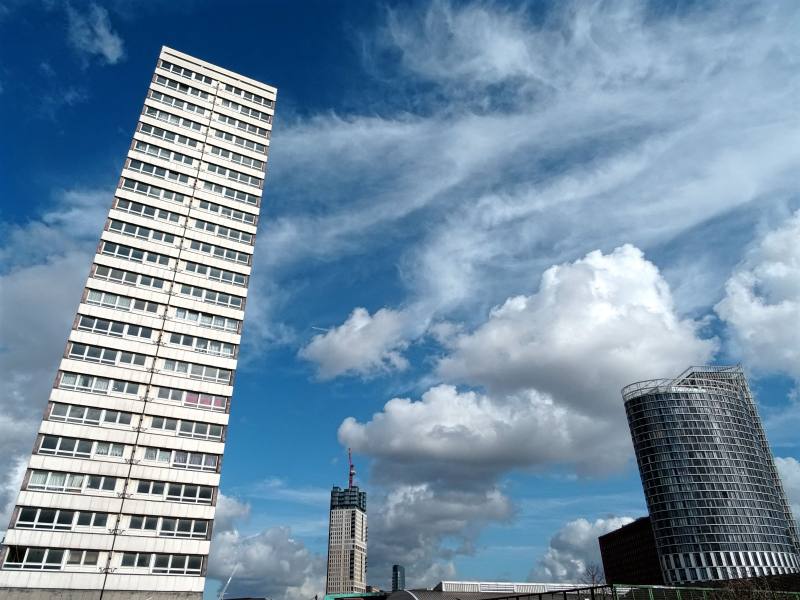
(716, 502)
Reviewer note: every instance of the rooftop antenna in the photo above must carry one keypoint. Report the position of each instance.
(352, 467)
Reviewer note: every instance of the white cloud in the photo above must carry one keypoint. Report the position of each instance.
(552, 365)
(543, 139)
(277, 489)
(270, 562)
(425, 526)
(45, 264)
(789, 470)
(573, 548)
(594, 325)
(762, 302)
(364, 344)
(91, 34)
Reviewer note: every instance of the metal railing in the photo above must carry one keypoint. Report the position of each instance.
(649, 592)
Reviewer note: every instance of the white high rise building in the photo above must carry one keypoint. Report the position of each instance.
(118, 500)
(347, 540)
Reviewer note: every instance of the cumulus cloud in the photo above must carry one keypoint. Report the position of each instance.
(551, 365)
(573, 548)
(91, 35)
(45, 264)
(762, 302)
(364, 344)
(268, 563)
(789, 470)
(425, 526)
(594, 325)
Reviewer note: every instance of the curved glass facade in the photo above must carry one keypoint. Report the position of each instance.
(716, 502)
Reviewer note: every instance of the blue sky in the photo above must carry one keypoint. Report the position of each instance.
(481, 220)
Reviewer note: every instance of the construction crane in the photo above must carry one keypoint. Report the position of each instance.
(224, 589)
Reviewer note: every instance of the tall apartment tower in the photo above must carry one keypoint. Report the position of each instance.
(717, 506)
(118, 500)
(347, 539)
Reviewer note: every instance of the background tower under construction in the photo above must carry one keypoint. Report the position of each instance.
(347, 538)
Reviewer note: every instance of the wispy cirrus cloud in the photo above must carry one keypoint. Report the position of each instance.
(91, 35)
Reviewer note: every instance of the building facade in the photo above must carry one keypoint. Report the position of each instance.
(717, 506)
(118, 500)
(630, 556)
(347, 540)
(398, 577)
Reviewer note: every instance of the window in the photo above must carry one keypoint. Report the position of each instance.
(178, 564)
(196, 461)
(197, 430)
(109, 449)
(133, 254)
(56, 481)
(184, 72)
(207, 320)
(163, 115)
(72, 413)
(240, 141)
(155, 171)
(127, 277)
(118, 302)
(185, 528)
(163, 153)
(203, 345)
(144, 523)
(249, 96)
(45, 518)
(230, 213)
(97, 385)
(176, 102)
(225, 232)
(169, 136)
(192, 429)
(194, 399)
(150, 488)
(136, 559)
(164, 423)
(231, 193)
(180, 87)
(195, 371)
(97, 482)
(143, 233)
(237, 158)
(114, 328)
(54, 519)
(185, 492)
(157, 455)
(176, 492)
(243, 125)
(106, 356)
(84, 558)
(212, 297)
(216, 274)
(39, 559)
(220, 252)
(246, 110)
(65, 446)
(152, 191)
(92, 519)
(234, 175)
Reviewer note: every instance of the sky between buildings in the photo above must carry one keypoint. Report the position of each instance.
(481, 220)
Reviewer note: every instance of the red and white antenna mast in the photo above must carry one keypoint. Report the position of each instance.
(352, 468)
